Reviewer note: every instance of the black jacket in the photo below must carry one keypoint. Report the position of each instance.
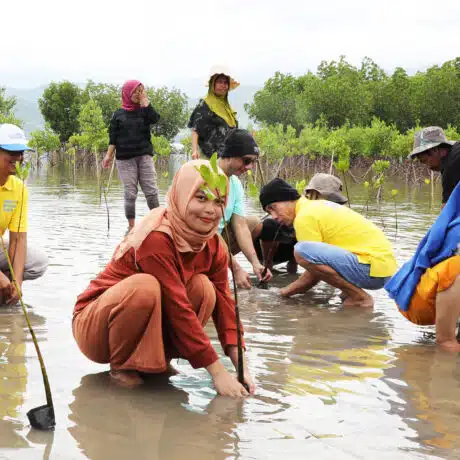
(450, 170)
(130, 132)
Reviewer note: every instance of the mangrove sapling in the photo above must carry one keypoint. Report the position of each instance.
(343, 165)
(106, 206)
(380, 167)
(41, 417)
(394, 194)
(216, 180)
(366, 185)
(106, 193)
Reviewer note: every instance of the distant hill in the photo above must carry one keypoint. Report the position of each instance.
(27, 106)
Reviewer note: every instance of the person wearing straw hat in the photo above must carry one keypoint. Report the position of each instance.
(28, 263)
(213, 117)
(335, 244)
(277, 242)
(432, 148)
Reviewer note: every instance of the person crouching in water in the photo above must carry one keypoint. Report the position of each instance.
(166, 279)
(426, 289)
(277, 241)
(334, 244)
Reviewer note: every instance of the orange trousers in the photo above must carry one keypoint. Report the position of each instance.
(123, 326)
(422, 308)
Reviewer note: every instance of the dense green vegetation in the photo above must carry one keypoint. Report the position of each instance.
(77, 119)
(374, 113)
(341, 93)
(342, 111)
(379, 140)
(7, 108)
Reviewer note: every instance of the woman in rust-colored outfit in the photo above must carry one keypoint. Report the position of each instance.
(165, 280)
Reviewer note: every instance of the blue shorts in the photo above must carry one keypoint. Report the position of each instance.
(345, 263)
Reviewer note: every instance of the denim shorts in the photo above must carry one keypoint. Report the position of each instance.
(345, 263)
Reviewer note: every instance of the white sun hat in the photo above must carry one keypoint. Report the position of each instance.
(222, 70)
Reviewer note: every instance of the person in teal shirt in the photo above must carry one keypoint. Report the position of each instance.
(238, 155)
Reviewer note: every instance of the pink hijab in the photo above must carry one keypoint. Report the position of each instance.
(171, 220)
(126, 93)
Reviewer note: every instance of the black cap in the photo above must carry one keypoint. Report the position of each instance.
(277, 190)
(239, 143)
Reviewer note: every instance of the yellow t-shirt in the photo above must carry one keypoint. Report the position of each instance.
(332, 223)
(13, 206)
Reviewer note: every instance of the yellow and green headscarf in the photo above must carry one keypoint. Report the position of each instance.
(220, 105)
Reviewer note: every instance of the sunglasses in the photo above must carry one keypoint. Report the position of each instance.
(13, 153)
(248, 161)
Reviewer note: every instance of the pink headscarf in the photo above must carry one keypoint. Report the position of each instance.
(126, 93)
(171, 220)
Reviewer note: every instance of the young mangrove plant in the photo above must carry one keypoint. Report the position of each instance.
(215, 180)
(394, 194)
(42, 417)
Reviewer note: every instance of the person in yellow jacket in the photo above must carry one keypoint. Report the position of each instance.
(335, 244)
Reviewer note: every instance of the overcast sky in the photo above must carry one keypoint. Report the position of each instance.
(175, 42)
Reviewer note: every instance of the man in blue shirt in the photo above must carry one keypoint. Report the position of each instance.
(238, 155)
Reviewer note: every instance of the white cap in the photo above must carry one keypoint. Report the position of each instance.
(12, 138)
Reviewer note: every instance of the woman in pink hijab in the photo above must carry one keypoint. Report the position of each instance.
(131, 143)
(167, 278)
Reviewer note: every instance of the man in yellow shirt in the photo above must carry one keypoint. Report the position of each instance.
(27, 263)
(335, 244)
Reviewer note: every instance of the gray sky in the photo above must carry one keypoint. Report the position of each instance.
(175, 42)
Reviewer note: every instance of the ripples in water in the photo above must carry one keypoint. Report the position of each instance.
(332, 383)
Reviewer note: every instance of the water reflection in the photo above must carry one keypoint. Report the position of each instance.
(111, 422)
(14, 336)
(428, 380)
(332, 383)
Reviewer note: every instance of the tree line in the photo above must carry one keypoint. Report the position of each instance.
(340, 93)
(373, 113)
(78, 118)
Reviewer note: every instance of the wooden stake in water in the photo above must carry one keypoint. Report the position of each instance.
(41, 417)
(218, 182)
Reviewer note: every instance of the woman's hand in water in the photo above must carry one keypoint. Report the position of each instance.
(249, 381)
(232, 352)
(225, 383)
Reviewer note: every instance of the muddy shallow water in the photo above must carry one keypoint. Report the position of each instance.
(332, 383)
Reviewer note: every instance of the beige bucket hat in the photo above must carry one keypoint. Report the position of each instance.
(329, 186)
(222, 70)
